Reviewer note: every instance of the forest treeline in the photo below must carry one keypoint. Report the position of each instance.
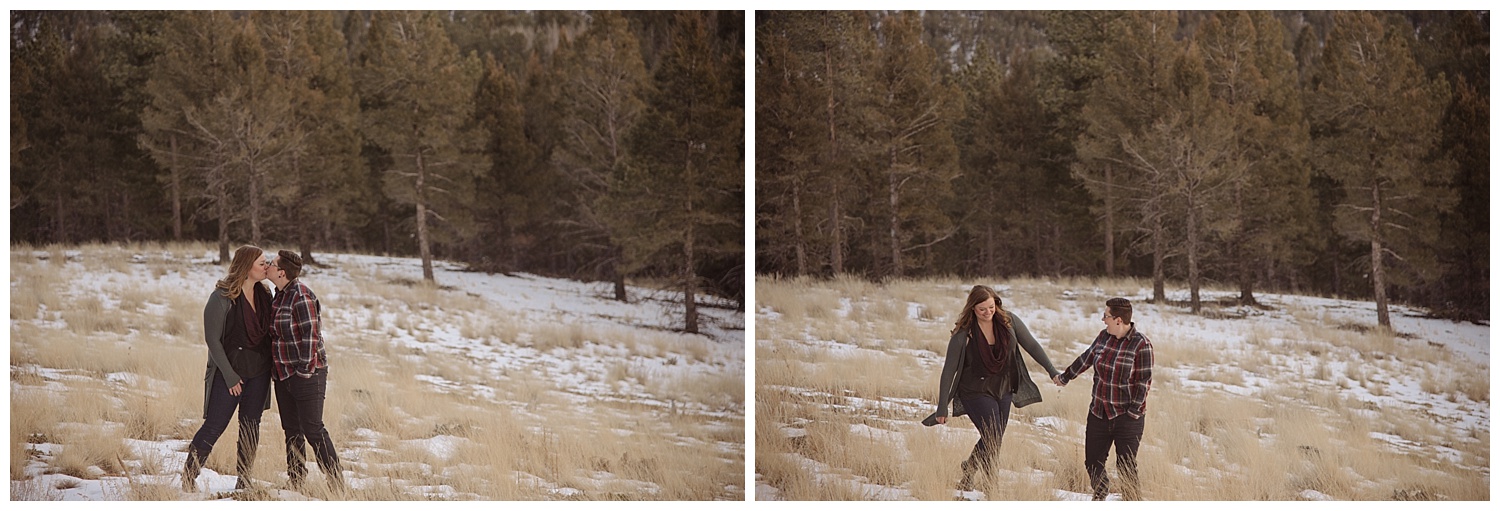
(583, 144)
(1337, 153)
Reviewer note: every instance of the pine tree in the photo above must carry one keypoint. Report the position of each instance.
(305, 53)
(75, 166)
(916, 156)
(989, 168)
(788, 143)
(1456, 44)
(418, 96)
(683, 190)
(1374, 118)
(507, 189)
(601, 97)
(844, 44)
(1131, 93)
(1008, 192)
(1253, 76)
(216, 113)
(1081, 40)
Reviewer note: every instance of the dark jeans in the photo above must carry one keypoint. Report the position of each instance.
(221, 407)
(990, 417)
(300, 401)
(1125, 433)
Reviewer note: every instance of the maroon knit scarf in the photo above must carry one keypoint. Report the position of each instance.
(994, 357)
(257, 320)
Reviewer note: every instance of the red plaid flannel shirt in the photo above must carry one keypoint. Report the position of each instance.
(1122, 373)
(296, 333)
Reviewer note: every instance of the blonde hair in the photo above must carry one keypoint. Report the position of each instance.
(979, 294)
(239, 270)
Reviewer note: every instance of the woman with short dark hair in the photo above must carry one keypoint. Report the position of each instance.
(301, 372)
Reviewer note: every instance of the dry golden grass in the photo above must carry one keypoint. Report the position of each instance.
(1276, 442)
(528, 425)
(96, 448)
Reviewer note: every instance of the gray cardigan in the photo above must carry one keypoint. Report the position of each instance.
(1026, 391)
(215, 317)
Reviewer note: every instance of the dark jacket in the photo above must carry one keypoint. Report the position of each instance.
(215, 319)
(1026, 391)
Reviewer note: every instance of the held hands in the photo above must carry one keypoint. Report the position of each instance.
(1058, 381)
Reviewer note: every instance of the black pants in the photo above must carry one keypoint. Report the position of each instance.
(222, 406)
(1125, 433)
(300, 401)
(990, 417)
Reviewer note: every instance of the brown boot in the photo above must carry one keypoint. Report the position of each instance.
(190, 470)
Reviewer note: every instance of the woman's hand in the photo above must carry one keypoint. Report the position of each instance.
(942, 420)
(235, 390)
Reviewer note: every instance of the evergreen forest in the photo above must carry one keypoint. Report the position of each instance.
(1322, 153)
(591, 145)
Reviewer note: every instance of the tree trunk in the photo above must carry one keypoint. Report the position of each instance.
(1247, 282)
(798, 238)
(1192, 257)
(304, 230)
(1238, 247)
(223, 197)
(1109, 222)
(837, 253)
(58, 232)
(617, 255)
(1038, 240)
(304, 244)
(176, 186)
(1158, 262)
(1333, 260)
(690, 281)
(989, 248)
(254, 206)
(511, 248)
(1377, 269)
(1057, 260)
(422, 246)
(895, 220)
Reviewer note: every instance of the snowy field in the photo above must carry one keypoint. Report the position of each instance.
(485, 387)
(1298, 399)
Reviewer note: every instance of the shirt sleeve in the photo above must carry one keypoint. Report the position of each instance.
(1084, 361)
(1027, 341)
(1140, 377)
(214, 317)
(304, 329)
(956, 345)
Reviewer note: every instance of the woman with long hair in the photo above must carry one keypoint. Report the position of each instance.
(236, 327)
(984, 374)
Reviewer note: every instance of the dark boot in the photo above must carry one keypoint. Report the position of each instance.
(333, 470)
(245, 453)
(296, 460)
(970, 467)
(191, 469)
(978, 459)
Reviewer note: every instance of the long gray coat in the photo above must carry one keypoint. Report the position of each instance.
(215, 317)
(1026, 391)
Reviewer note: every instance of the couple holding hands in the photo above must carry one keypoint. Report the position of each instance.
(984, 376)
(252, 339)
